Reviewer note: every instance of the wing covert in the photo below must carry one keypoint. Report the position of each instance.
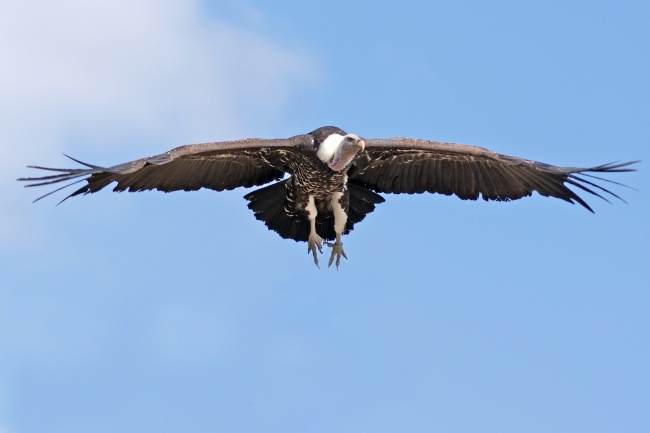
(218, 166)
(406, 165)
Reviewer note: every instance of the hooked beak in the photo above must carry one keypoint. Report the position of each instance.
(355, 147)
(345, 154)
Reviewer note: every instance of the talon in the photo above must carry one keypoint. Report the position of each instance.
(337, 252)
(315, 242)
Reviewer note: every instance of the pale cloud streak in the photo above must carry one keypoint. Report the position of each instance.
(102, 72)
(105, 74)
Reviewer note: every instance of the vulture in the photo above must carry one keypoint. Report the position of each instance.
(322, 183)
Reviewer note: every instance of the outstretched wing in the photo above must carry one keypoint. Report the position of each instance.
(406, 165)
(218, 166)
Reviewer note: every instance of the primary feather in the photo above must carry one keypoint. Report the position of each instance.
(334, 178)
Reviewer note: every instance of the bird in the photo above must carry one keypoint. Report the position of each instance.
(321, 184)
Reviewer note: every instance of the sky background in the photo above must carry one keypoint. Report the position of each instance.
(181, 312)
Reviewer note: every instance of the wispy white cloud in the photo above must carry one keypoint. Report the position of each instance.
(101, 72)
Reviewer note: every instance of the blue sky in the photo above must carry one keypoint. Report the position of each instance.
(181, 312)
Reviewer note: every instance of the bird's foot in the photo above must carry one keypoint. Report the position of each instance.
(337, 252)
(313, 243)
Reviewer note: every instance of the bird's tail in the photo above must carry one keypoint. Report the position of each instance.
(270, 203)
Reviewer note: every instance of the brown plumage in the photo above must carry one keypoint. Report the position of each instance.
(341, 173)
(407, 165)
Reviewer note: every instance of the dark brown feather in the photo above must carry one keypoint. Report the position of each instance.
(218, 166)
(406, 165)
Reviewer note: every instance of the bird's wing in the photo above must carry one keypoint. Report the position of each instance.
(406, 165)
(218, 166)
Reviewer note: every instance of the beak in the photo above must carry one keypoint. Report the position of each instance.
(361, 144)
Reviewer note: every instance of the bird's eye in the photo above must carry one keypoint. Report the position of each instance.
(350, 139)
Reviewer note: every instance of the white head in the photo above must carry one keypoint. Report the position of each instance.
(338, 151)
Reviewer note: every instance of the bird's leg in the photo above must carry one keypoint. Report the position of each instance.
(337, 251)
(340, 220)
(314, 241)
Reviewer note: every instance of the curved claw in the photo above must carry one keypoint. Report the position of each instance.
(313, 243)
(337, 252)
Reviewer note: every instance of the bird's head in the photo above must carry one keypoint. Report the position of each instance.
(338, 150)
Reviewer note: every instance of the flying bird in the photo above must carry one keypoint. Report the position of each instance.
(334, 178)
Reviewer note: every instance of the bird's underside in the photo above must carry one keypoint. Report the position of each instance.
(334, 178)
